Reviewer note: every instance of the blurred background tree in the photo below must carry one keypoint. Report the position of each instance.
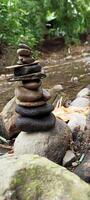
(31, 20)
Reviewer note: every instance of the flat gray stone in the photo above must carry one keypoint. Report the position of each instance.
(68, 158)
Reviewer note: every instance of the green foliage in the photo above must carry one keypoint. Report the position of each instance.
(22, 20)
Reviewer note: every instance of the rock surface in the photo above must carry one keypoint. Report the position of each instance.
(81, 102)
(68, 158)
(55, 93)
(51, 144)
(77, 120)
(88, 121)
(83, 170)
(31, 177)
(8, 117)
(82, 98)
(85, 92)
(28, 124)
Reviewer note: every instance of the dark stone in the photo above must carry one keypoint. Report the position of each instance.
(19, 65)
(41, 124)
(25, 95)
(24, 46)
(34, 76)
(83, 170)
(23, 52)
(32, 85)
(27, 70)
(25, 60)
(34, 112)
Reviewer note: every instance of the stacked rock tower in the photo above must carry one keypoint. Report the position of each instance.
(34, 111)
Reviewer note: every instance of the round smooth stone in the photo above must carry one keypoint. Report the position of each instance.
(41, 124)
(27, 70)
(31, 104)
(34, 112)
(46, 95)
(24, 46)
(32, 85)
(25, 95)
(23, 52)
(25, 59)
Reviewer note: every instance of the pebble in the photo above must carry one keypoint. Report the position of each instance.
(74, 80)
(74, 164)
(69, 158)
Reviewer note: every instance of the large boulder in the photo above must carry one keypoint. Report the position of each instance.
(51, 144)
(32, 177)
(8, 116)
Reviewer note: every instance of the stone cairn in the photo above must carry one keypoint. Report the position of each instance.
(34, 112)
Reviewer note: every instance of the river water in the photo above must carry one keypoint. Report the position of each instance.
(68, 67)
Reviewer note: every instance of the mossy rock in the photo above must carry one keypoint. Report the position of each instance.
(30, 177)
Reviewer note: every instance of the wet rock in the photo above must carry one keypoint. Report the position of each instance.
(69, 158)
(51, 144)
(8, 116)
(83, 170)
(32, 177)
